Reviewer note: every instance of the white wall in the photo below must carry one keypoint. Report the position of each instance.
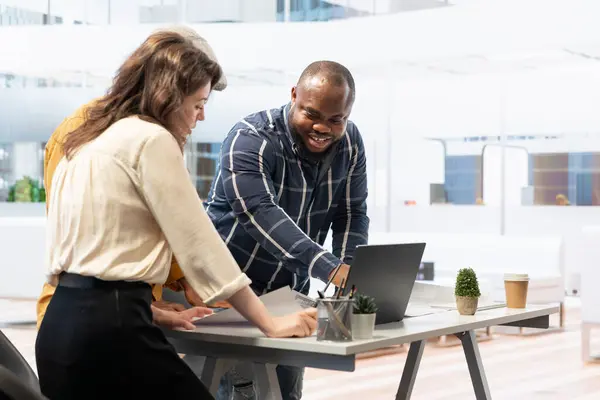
(520, 220)
(567, 222)
(33, 114)
(22, 210)
(26, 160)
(23, 249)
(539, 102)
(516, 175)
(30, 115)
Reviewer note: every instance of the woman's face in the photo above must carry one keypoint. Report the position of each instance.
(191, 111)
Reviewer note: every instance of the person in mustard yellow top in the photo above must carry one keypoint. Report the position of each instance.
(54, 153)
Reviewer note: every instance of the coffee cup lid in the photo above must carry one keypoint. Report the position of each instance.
(516, 277)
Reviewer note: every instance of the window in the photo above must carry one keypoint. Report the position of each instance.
(5, 169)
(550, 177)
(204, 161)
(463, 179)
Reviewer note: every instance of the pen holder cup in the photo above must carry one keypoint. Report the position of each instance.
(334, 318)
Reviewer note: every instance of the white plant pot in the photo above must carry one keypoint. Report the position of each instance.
(363, 326)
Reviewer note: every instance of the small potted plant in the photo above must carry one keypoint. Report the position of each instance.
(467, 291)
(363, 317)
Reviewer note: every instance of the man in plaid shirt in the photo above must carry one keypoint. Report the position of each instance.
(286, 176)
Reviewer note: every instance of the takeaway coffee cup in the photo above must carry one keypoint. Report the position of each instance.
(515, 286)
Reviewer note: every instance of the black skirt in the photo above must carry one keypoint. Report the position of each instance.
(97, 341)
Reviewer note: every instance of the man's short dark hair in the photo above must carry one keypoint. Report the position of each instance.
(333, 71)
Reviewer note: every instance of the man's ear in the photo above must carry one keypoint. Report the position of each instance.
(293, 94)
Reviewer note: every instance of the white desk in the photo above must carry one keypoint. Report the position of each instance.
(212, 350)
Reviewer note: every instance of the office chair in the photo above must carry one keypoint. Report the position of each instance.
(12, 360)
(13, 388)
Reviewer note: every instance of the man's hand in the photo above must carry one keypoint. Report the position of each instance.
(179, 319)
(341, 274)
(168, 306)
(190, 294)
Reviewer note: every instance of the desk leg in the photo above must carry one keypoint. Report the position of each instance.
(471, 349)
(411, 367)
(267, 383)
(209, 370)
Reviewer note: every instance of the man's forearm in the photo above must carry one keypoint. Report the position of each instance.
(280, 236)
(347, 236)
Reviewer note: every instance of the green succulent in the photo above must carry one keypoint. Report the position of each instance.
(364, 304)
(467, 284)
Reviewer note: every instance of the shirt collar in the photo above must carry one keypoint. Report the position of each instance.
(288, 132)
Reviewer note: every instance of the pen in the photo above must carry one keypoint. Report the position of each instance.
(337, 269)
(340, 289)
(346, 295)
(322, 293)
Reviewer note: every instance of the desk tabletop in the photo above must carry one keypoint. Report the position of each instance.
(409, 330)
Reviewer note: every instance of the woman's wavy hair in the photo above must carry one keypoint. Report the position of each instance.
(152, 83)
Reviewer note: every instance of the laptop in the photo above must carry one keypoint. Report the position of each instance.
(385, 272)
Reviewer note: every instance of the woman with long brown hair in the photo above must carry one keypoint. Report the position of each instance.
(122, 204)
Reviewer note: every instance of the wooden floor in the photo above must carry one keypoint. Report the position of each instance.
(544, 366)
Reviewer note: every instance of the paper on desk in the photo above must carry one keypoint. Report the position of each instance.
(420, 309)
(279, 303)
(481, 307)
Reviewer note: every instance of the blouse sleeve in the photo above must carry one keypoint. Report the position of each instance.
(204, 258)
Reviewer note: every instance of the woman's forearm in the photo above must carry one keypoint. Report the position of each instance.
(247, 303)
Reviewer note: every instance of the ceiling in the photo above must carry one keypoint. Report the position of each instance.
(469, 38)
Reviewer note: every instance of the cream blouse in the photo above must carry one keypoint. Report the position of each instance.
(124, 204)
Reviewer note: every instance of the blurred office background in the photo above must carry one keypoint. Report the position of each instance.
(479, 116)
(481, 120)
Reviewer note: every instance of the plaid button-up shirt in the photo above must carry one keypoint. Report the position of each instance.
(266, 207)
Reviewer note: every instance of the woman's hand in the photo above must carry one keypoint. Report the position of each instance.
(168, 305)
(300, 324)
(179, 319)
